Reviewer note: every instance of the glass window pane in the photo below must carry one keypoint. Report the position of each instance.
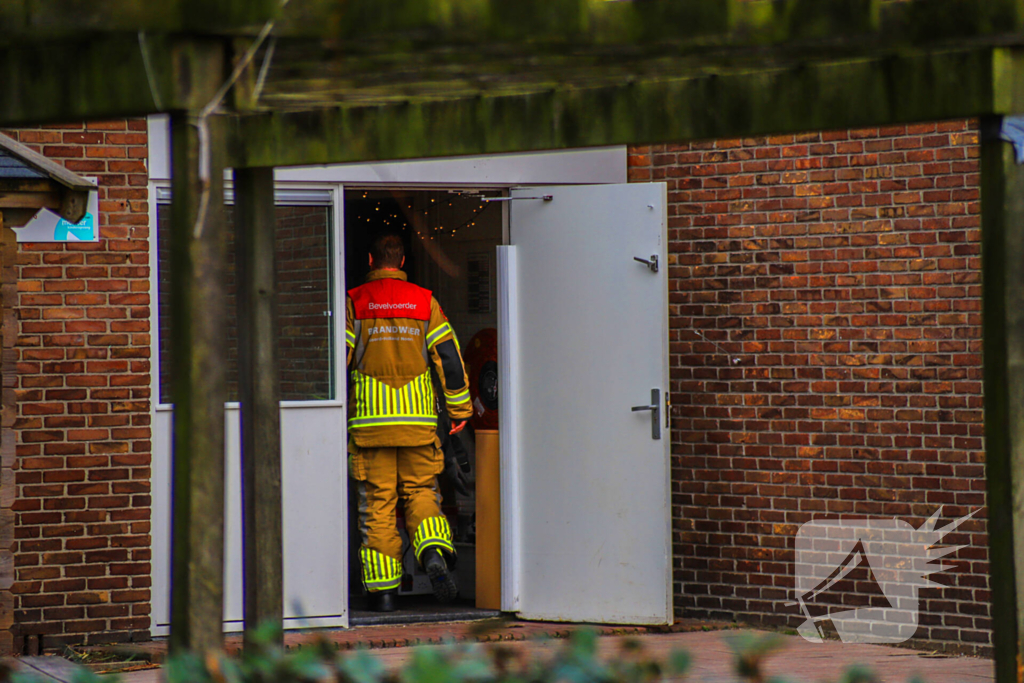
(304, 302)
(303, 239)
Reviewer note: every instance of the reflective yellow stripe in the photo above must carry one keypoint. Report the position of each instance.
(360, 422)
(350, 338)
(377, 404)
(380, 572)
(458, 396)
(438, 332)
(433, 532)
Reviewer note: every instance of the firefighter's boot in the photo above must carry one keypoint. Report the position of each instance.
(384, 601)
(441, 580)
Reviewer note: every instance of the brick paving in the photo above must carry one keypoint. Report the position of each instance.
(798, 661)
(398, 636)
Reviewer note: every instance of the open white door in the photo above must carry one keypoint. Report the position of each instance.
(589, 455)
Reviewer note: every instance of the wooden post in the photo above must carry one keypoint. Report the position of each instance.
(9, 383)
(199, 387)
(1002, 219)
(260, 394)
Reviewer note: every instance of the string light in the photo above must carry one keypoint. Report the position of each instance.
(437, 227)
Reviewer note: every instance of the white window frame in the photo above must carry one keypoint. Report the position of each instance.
(311, 194)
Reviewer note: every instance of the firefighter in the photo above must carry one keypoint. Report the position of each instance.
(393, 330)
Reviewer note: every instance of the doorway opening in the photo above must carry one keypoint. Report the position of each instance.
(450, 239)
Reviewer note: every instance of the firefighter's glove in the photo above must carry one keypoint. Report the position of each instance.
(453, 471)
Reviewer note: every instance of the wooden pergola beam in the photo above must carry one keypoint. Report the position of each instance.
(725, 103)
(143, 59)
(106, 77)
(696, 22)
(886, 89)
(732, 22)
(33, 19)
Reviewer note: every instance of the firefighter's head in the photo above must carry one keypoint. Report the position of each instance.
(387, 251)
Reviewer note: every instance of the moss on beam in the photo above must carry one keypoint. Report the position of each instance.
(718, 22)
(481, 21)
(22, 20)
(94, 79)
(923, 20)
(459, 20)
(735, 22)
(858, 92)
(698, 22)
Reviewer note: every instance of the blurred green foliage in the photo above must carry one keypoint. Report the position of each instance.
(572, 660)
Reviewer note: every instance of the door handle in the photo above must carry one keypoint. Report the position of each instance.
(655, 408)
(651, 263)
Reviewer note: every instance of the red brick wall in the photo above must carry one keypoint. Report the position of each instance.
(82, 535)
(825, 307)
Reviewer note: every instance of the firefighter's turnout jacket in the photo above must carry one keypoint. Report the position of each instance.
(394, 330)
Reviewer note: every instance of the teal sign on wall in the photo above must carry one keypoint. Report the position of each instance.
(82, 231)
(47, 226)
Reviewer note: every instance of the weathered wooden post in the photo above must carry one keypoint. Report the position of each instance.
(260, 394)
(199, 386)
(8, 384)
(1002, 184)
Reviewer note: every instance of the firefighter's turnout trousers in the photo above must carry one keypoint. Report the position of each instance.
(395, 331)
(383, 476)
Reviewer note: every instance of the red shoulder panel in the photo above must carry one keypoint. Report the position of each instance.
(390, 298)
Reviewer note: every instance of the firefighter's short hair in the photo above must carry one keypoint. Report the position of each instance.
(387, 251)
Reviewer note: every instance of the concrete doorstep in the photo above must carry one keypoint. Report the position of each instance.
(713, 661)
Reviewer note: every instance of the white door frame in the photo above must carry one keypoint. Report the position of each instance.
(568, 167)
(319, 194)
